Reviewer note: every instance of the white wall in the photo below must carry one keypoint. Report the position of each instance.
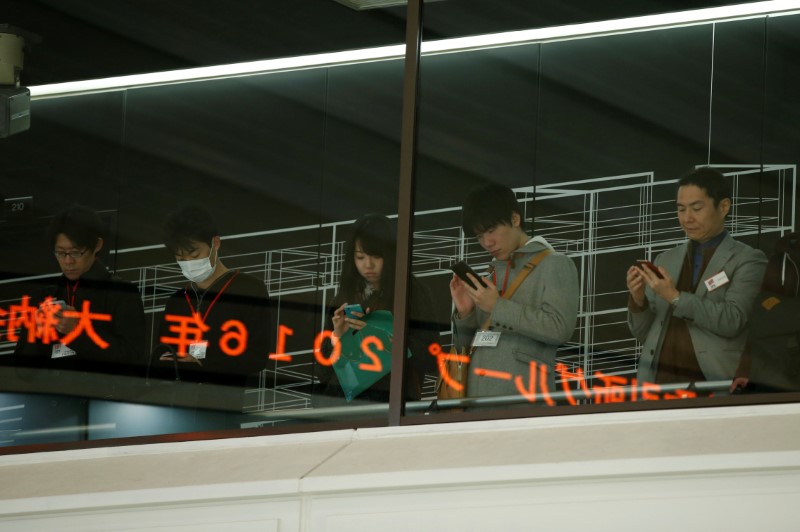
(732, 468)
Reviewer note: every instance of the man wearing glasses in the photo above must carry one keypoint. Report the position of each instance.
(89, 321)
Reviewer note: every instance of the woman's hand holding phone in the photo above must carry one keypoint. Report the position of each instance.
(353, 311)
(342, 323)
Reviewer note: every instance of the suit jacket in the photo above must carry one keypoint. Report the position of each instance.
(717, 320)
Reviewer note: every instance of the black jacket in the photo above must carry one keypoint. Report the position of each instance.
(126, 353)
(244, 299)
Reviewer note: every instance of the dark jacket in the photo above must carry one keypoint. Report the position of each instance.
(234, 296)
(106, 294)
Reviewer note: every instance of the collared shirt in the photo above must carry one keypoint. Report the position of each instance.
(698, 252)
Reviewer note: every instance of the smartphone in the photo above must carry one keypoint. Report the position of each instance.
(349, 309)
(650, 266)
(462, 269)
(56, 302)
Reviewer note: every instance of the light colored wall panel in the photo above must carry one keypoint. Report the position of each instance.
(733, 468)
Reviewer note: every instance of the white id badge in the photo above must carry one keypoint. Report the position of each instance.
(486, 339)
(712, 283)
(61, 351)
(198, 350)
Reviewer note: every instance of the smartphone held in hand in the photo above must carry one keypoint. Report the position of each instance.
(349, 309)
(641, 263)
(462, 269)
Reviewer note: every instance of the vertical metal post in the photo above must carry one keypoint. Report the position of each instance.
(405, 209)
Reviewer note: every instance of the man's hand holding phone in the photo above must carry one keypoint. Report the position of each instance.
(645, 273)
(52, 306)
(642, 263)
(468, 289)
(464, 272)
(52, 311)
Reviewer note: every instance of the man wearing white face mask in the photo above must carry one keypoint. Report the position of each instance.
(216, 329)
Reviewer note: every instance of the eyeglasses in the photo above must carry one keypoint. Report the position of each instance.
(74, 255)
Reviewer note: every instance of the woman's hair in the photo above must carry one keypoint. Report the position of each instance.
(377, 236)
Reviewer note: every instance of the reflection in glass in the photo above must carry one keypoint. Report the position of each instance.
(590, 135)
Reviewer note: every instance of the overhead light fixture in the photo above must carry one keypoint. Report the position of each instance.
(266, 66)
(610, 27)
(460, 44)
(361, 5)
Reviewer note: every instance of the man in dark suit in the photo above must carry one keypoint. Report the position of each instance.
(692, 316)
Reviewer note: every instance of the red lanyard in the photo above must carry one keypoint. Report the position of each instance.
(505, 281)
(186, 293)
(71, 297)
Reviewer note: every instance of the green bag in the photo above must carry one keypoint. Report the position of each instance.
(366, 355)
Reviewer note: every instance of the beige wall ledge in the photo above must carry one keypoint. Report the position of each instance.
(742, 461)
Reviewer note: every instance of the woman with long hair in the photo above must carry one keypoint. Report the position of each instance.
(368, 279)
(367, 276)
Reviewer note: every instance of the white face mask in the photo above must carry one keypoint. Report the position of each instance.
(198, 270)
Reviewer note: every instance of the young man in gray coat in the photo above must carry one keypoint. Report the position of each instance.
(528, 327)
(692, 316)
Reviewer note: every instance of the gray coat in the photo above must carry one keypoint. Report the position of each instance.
(718, 320)
(539, 316)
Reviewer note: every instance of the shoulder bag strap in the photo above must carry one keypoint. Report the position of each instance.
(526, 270)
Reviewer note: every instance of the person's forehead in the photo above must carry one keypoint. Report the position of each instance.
(691, 194)
(64, 242)
(193, 245)
(360, 250)
(483, 228)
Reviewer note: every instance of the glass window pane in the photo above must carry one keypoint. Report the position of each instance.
(225, 208)
(591, 136)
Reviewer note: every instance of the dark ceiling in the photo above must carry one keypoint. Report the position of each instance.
(84, 39)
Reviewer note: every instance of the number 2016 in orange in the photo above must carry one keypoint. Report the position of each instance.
(366, 347)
